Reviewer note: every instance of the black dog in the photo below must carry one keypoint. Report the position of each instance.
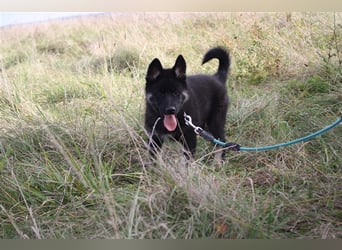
(170, 93)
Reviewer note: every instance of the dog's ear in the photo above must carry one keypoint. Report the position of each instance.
(154, 70)
(180, 67)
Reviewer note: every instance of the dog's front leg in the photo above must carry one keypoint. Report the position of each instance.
(154, 145)
(189, 143)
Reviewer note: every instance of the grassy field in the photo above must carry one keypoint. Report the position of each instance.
(73, 158)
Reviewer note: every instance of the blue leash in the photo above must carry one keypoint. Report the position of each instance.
(237, 147)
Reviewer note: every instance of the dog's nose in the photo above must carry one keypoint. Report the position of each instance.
(170, 110)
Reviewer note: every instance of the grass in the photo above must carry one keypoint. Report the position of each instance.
(73, 156)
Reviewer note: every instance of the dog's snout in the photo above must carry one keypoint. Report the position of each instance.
(170, 110)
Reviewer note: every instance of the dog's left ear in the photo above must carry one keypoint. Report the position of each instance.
(180, 67)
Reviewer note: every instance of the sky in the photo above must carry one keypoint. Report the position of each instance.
(13, 18)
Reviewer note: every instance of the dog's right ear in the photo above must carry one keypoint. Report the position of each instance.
(154, 70)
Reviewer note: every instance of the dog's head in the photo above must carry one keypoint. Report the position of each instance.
(166, 90)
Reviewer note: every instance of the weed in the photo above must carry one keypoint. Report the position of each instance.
(124, 59)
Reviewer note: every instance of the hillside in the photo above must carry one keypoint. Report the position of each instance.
(73, 158)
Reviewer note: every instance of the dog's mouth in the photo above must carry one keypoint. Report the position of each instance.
(170, 122)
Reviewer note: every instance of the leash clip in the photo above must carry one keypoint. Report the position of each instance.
(188, 122)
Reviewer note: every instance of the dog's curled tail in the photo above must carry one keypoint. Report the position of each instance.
(224, 61)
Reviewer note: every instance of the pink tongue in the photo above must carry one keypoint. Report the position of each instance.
(170, 122)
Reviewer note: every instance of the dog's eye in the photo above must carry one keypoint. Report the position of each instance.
(175, 93)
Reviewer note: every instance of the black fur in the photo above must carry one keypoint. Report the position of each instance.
(171, 92)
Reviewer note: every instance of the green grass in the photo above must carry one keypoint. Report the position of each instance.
(73, 158)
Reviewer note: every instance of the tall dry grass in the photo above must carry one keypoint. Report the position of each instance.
(73, 156)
